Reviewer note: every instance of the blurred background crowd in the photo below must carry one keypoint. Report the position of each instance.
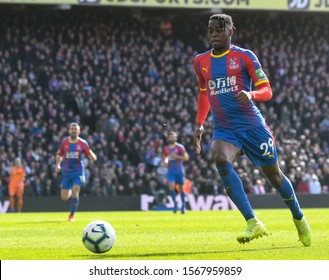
(121, 75)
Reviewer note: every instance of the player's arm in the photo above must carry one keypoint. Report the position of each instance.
(59, 159)
(263, 90)
(184, 157)
(165, 158)
(92, 157)
(24, 174)
(261, 94)
(165, 161)
(89, 153)
(203, 108)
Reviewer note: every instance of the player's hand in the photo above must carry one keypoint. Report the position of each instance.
(165, 162)
(175, 156)
(243, 97)
(57, 168)
(197, 138)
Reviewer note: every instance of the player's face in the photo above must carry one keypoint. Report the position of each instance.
(74, 131)
(172, 138)
(18, 162)
(219, 39)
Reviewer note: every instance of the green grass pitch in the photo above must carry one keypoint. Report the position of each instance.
(157, 235)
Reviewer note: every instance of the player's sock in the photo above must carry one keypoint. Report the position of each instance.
(74, 205)
(173, 195)
(182, 195)
(288, 196)
(234, 189)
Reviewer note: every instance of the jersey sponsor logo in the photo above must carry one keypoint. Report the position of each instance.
(223, 85)
(260, 74)
(212, 85)
(72, 155)
(233, 64)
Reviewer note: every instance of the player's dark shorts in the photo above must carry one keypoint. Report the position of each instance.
(73, 179)
(257, 143)
(178, 178)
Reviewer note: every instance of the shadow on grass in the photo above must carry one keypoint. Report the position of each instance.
(182, 254)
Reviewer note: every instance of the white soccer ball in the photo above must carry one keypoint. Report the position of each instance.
(98, 237)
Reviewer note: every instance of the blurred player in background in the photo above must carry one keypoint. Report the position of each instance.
(225, 76)
(16, 185)
(174, 154)
(69, 160)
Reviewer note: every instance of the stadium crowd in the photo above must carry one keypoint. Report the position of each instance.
(121, 76)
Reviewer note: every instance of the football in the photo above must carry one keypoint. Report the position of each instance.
(98, 237)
